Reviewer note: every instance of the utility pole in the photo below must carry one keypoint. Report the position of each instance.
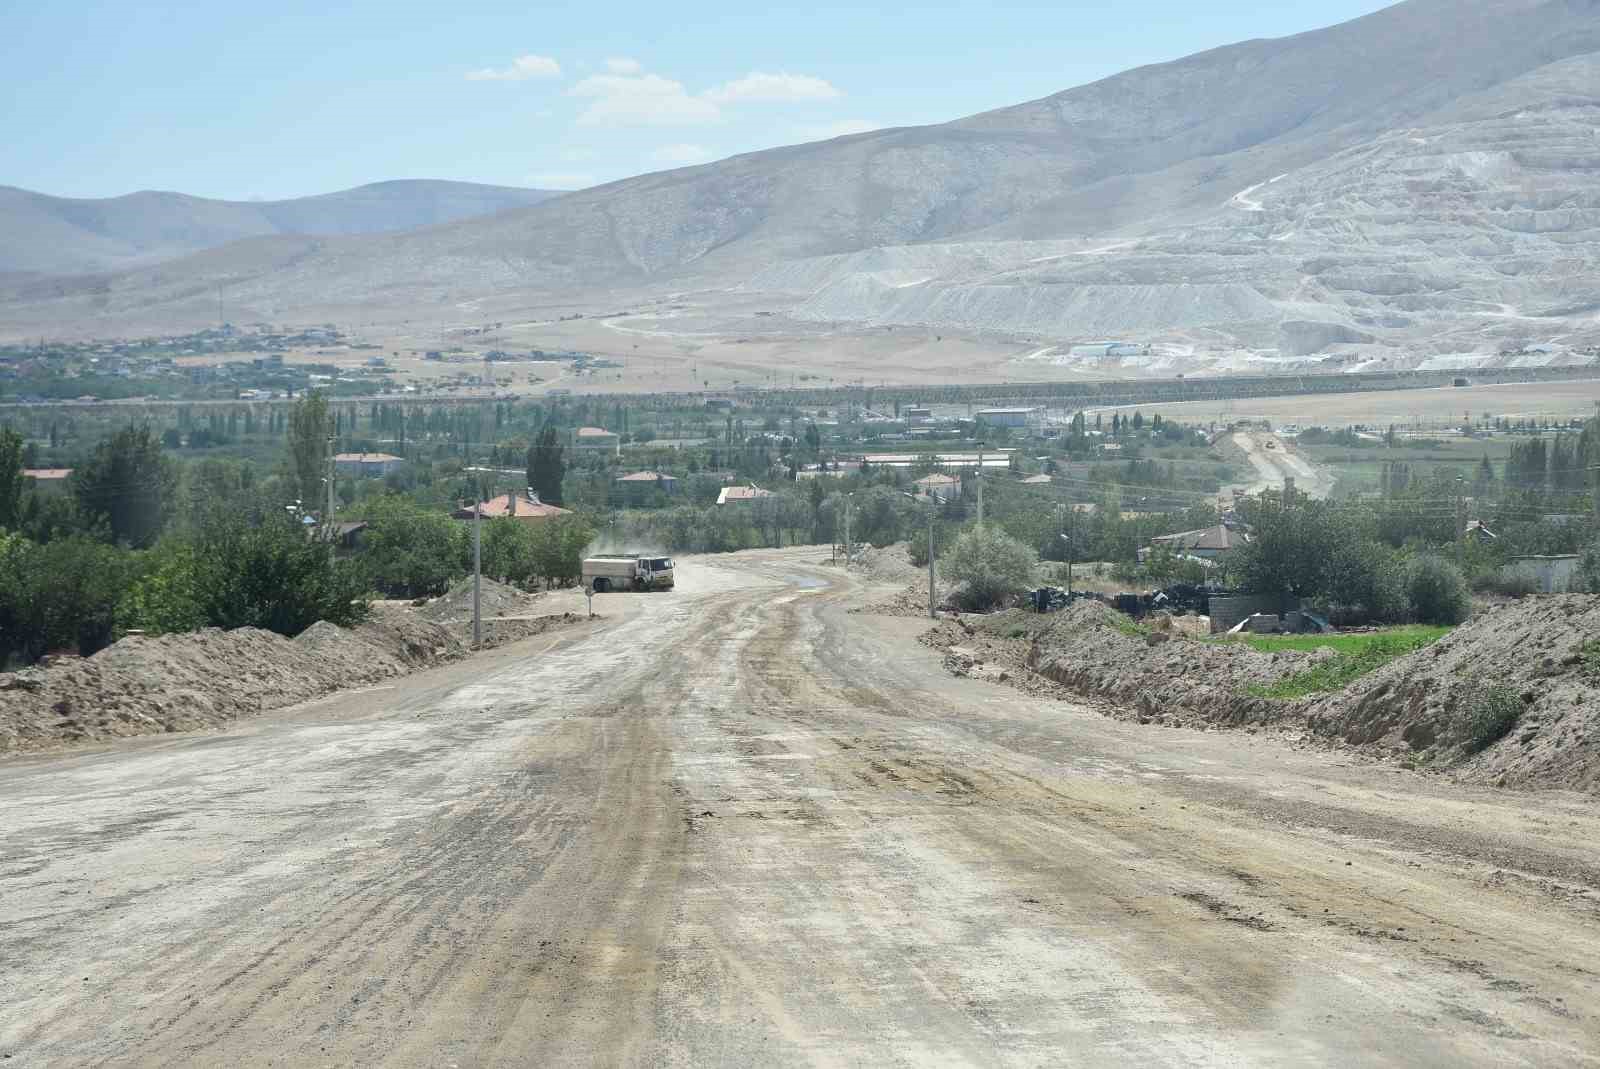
(327, 518)
(1461, 523)
(933, 600)
(477, 566)
(980, 485)
(848, 548)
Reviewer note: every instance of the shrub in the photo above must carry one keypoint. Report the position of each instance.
(990, 565)
(1437, 591)
(1492, 710)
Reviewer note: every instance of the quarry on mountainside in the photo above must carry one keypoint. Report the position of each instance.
(1417, 184)
(1510, 698)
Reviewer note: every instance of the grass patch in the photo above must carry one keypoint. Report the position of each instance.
(1126, 625)
(1356, 655)
(1414, 636)
(1589, 658)
(1492, 712)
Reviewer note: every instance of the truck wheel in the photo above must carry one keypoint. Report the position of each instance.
(602, 585)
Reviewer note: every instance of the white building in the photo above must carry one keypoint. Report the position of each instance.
(1550, 575)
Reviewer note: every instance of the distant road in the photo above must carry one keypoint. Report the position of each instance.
(1274, 462)
(1248, 394)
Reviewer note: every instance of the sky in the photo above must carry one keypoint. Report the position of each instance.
(272, 101)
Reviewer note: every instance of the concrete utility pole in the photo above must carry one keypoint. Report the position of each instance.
(848, 547)
(328, 528)
(980, 486)
(933, 598)
(477, 567)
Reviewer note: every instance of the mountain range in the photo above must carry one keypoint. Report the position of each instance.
(1422, 181)
(69, 235)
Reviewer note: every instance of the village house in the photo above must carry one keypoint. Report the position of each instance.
(524, 506)
(643, 483)
(1209, 543)
(740, 495)
(596, 440)
(368, 464)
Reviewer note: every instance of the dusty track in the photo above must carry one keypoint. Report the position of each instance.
(739, 826)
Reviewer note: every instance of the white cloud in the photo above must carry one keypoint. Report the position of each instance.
(758, 87)
(681, 155)
(562, 180)
(641, 100)
(522, 69)
(839, 128)
(623, 65)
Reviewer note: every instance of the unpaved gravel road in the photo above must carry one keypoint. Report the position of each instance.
(1274, 463)
(737, 826)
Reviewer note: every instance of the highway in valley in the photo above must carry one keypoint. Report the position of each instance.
(741, 825)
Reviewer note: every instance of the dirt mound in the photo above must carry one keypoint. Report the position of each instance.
(1511, 698)
(1091, 651)
(886, 564)
(143, 685)
(1513, 695)
(495, 599)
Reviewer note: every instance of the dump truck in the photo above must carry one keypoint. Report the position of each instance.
(626, 571)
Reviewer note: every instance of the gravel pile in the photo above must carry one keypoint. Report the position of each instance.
(143, 685)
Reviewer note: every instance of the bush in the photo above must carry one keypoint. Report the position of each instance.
(1492, 711)
(990, 566)
(1437, 591)
(59, 596)
(1589, 571)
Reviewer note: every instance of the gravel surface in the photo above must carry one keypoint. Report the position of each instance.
(738, 826)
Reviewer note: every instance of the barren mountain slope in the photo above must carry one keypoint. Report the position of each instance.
(64, 235)
(1426, 172)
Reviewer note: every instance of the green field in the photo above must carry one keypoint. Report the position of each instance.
(1358, 470)
(1357, 654)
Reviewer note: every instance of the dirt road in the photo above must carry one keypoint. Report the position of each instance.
(1274, 461)
(738, 826)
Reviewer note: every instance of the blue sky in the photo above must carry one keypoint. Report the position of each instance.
(294, 98)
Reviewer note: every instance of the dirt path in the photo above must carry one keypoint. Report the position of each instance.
(1273, 461)
(737, 826)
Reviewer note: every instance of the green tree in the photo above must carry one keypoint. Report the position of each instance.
(309, 428)
(1437, 591)
(989, 565)
(509, 550)
(1291, 547)
(11, 479)
(59, 596)
(558, 548)
(129, 485)
(270, 575)
(411, 551)
(546, 466)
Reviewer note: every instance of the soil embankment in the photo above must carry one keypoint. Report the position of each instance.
(1511, 698)
(184, 682)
